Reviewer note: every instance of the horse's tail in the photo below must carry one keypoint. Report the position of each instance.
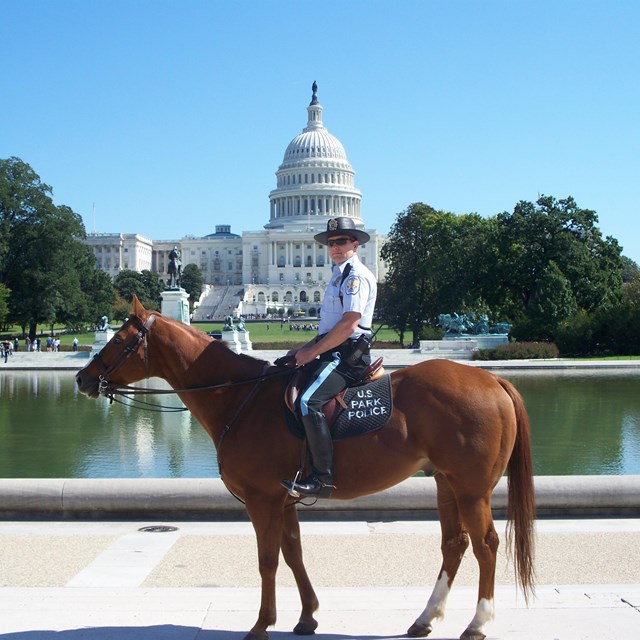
(521, 507)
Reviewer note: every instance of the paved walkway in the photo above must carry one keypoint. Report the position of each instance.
(109, 580)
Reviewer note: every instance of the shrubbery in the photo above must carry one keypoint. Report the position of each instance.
(519, 351)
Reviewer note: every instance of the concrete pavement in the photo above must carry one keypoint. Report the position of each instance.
(112, 580)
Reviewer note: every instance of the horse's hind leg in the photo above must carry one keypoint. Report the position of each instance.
(454, 543)
(477, 518)
(292, 552)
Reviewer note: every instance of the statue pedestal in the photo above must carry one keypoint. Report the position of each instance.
(451, 350)
(231, 337)
(245, 343)
(101, 339)
(175, 304)
(482, 340)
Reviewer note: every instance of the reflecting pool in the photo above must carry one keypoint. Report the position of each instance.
(581, 424)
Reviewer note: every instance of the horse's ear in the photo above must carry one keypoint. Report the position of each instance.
(138, 309)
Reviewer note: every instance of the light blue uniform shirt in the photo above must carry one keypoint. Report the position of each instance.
(359, 291)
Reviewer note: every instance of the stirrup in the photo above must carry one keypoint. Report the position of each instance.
(289, 485)
(315, 488)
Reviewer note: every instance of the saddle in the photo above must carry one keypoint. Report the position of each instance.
(331, 409)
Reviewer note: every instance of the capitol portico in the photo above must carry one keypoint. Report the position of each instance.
(280, 266)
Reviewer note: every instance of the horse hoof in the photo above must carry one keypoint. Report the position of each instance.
(305, 628)
(417, 630)
(472, 635)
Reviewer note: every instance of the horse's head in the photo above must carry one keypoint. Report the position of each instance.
(123, 359)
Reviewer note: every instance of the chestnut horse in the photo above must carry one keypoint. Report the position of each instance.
(462, 424)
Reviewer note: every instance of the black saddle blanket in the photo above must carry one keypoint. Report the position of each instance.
(368, 409)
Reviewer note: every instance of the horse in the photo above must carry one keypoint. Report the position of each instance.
(461, 424)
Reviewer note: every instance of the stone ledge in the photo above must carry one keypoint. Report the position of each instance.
(208, 498)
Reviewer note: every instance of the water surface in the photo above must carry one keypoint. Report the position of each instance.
(581, 424)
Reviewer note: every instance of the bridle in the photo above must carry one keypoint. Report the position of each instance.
(105, 386)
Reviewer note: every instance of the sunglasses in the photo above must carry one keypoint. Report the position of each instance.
(339, 241)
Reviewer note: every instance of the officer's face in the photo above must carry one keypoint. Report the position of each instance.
(341, 248)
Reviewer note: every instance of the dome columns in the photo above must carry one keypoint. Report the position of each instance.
(325, 205)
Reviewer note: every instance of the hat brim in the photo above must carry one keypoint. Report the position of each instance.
(360, 236)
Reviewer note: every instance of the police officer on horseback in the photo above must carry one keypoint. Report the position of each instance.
(340, 352)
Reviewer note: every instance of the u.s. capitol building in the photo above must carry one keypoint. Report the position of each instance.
(280, 266)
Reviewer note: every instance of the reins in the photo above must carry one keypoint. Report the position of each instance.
(109, 389)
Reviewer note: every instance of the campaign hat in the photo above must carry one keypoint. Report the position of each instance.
(341, 226)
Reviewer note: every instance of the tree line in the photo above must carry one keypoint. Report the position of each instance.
(544, 267)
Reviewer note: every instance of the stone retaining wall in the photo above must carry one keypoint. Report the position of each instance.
(180, 498)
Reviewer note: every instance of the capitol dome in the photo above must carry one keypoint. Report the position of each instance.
(315, 181)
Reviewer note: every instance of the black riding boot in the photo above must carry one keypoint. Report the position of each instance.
(318, 482)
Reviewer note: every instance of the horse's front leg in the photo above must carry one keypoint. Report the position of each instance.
(292, 552)
(267, 517)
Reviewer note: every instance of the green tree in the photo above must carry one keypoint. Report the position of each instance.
(129, 283)
(551, 241)
(392, 308)
(631, 282)
(192, 282)
(154, 286)
(146, 285)
(120, 309)
(4, 306)
(437, 261)
(42, 256)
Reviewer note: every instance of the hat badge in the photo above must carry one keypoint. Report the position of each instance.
(332, 225)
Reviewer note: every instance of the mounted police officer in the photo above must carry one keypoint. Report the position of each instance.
(340, 352)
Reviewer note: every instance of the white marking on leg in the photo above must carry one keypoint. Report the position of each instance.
(437, 602)
(484, 613)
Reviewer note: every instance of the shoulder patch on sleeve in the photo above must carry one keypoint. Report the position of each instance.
(352, 286)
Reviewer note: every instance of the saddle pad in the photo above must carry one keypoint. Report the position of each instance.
(368, 409)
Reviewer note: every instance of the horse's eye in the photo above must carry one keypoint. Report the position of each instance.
(117, 340)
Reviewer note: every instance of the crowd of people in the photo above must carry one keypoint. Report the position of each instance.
(51, 344)
(297, 326)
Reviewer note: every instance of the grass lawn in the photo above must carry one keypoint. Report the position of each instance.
(259, 332)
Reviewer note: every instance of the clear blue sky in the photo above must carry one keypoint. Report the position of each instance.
(172, 117)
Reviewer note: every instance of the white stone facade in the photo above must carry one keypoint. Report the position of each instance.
(117, 251)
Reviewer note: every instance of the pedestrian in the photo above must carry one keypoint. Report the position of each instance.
(339, 354)
(75, 344)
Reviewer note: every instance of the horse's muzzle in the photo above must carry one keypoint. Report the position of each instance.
(88, 385)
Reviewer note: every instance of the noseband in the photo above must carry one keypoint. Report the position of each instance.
(125, 354)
